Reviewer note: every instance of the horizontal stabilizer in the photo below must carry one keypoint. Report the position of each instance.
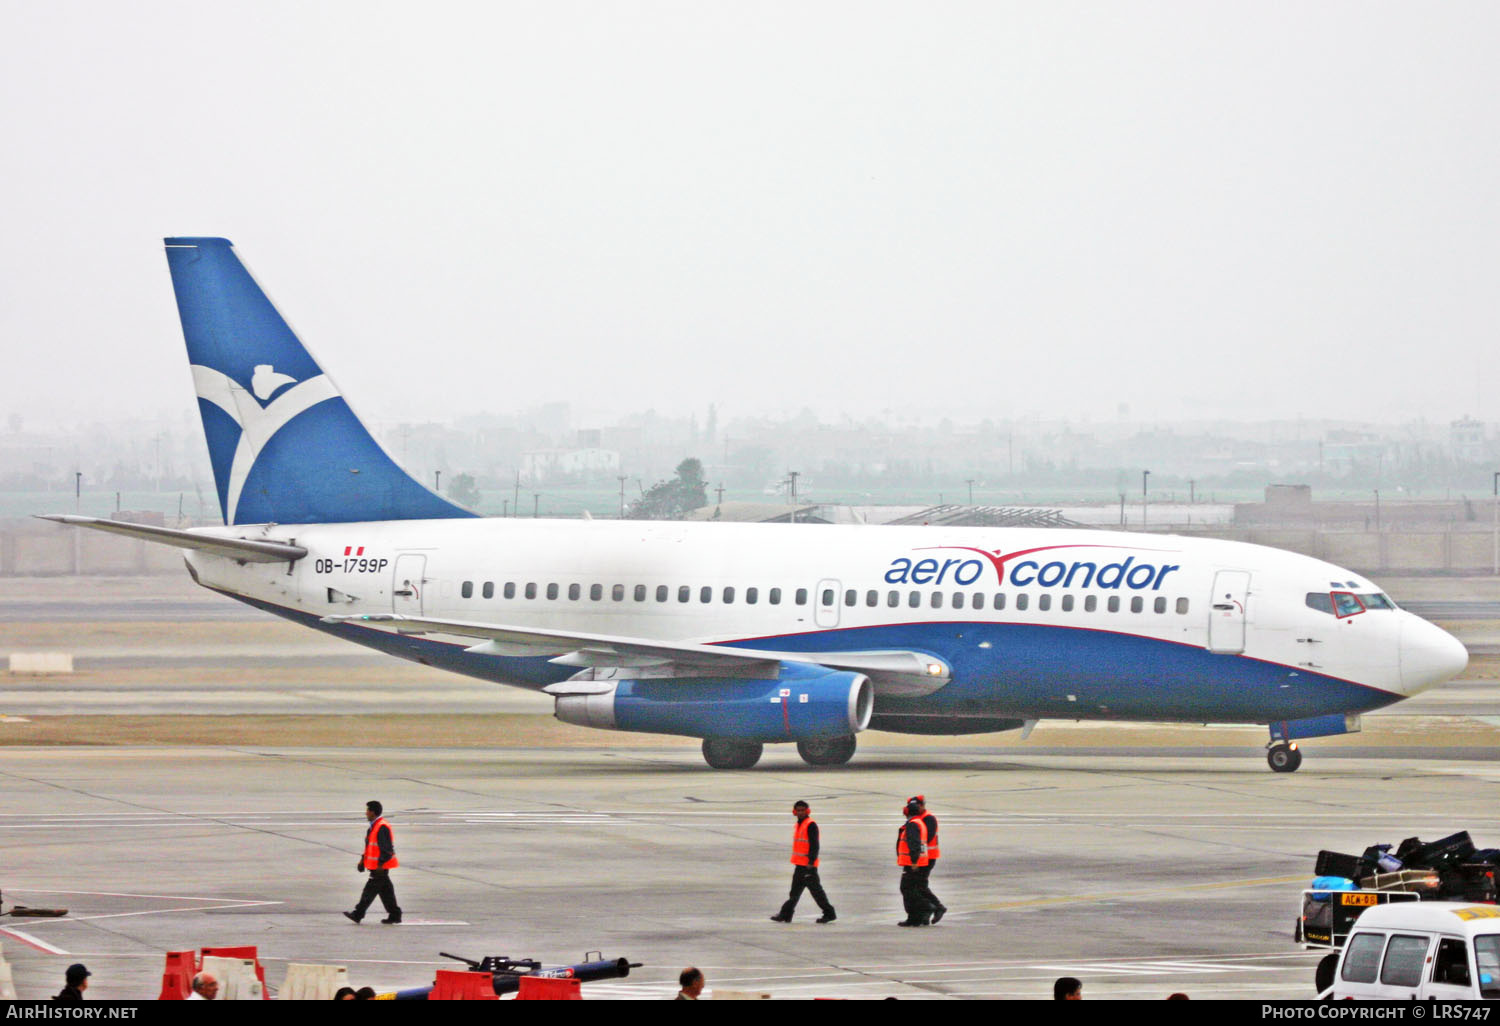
(246, 550)
(894, 673)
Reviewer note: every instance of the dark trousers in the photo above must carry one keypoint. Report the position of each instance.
(924, 889)
(912, 898)
(806, 877)
(380, 884)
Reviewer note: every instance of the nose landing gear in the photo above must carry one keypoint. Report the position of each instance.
(1284, 757)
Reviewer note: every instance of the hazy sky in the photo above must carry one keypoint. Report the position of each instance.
(991, 209)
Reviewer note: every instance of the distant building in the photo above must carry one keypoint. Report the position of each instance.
(1466, 438)
(541, 466)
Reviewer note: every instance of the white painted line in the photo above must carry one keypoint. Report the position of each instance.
(35, 942)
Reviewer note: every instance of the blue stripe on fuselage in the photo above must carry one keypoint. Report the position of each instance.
(1028, 671)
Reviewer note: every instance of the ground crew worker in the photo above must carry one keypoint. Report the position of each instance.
(805, 845)
(924, 873)
(911, 855)
(379, 858)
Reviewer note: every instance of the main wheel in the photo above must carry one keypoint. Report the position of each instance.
(1284, 758)
(722, 753)
(827, 751)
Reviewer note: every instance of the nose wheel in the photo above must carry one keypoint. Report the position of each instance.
(1284, 758)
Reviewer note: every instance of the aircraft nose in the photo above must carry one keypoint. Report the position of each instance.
(1429, 655)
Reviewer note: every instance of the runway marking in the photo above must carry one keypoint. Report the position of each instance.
(1129, 895)
(35, 942)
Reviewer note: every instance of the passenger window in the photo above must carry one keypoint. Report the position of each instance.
(1487, 961)
(1137, 604)
(640, 593)
(893, 599)
(774, 596)
(851, 597)
(1000, 600)
(466, 589)
(1320, 601)
(1452, 963)
(617, 593)
(801, 597)
(1404, 957)
(958, 600)
(937, 600)
(662, 592)
(751, 595)
(1090, 603)
(1160, 605)
(728, 596)
(979, 600)
(1346, 604)
(1362, 957)
(510, 589)
(1067, 603)
(1113, 604)
(684, 593)
(1044, 602)
(489, 589)
(872, 598)
(705, 595)
(596, 592)
(914, 599)
(531, 590)
(1022, 600)
(552, 591)
(574, 591)
(1182, 606)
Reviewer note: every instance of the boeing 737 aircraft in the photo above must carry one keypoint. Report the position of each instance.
(751, 634)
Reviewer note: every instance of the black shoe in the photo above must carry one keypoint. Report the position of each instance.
(908, 922)
(937, 916)
(827, 917)
(352, 917)
(779, 918)
(391, 920)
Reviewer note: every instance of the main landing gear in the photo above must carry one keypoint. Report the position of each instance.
(827, 751)
(723, 753)
(1284, 757)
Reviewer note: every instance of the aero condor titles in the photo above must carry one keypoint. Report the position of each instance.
(745, 634)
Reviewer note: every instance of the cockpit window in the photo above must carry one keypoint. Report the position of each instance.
(1321, 601)
(1377, 601)
(1346, 604)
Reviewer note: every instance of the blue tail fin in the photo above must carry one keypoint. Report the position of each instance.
(285, 446)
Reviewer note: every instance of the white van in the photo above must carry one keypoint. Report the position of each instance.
(1421, 949)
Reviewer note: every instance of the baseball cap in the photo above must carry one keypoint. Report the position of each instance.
(77, 973)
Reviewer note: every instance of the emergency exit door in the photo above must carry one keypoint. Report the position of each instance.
(1226, 611)
(407, 584)
(826, 610)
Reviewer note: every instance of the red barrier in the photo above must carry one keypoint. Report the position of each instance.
(541, 988)
(177, 976)
(452, 985)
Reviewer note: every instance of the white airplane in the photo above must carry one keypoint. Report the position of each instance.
(753, 634)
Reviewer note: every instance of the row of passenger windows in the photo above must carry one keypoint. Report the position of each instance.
(829, 597)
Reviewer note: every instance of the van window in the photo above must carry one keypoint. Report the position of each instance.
(1404, 958)
(1487, 959)
(1362, 957)
(1452, 963)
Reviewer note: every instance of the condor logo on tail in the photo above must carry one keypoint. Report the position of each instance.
(1130, 572)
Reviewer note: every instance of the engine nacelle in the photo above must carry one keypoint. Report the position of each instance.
(803, 703)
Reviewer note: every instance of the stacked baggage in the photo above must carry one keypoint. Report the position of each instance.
(1450, 869)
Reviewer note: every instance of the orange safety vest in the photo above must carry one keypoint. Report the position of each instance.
(904, 857)
(800, 845)
(372, 848)
(933, 851)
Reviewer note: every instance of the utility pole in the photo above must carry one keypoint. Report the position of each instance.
(622, 478)
(791, 476)
(1377, 510)
(1122, 510)
(1192, 493)
(77, 490)
(720, 490)
(505, 507)
(1145, 475)
(536, 501)
(516, 504)
(970, 482)
(1495, 523)
(437, 478)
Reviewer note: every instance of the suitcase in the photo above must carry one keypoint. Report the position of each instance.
(1332, 863)
(1453, 849)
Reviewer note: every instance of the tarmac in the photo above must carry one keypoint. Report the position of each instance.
(1141, 860)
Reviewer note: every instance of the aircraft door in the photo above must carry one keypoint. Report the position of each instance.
(408, 584)
(1226, 612)
(826, 603)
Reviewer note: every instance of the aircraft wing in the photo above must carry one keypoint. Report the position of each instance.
(893, 672)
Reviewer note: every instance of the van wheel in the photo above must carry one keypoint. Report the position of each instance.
(722, 753)
(1284, 758)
